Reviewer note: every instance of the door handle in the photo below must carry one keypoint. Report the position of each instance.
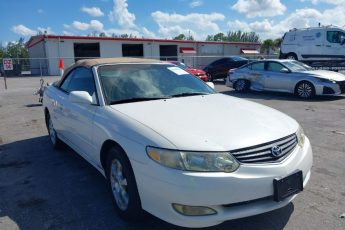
(317, 45)
(328, 45)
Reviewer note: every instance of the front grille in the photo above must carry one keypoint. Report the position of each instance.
(342, 86)
(263, 153)
(327, 90)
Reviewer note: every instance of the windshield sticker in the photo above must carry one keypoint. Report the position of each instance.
(177, 70)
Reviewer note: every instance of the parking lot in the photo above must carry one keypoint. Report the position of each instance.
(42, 188)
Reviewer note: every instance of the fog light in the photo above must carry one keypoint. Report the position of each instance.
(193, 210)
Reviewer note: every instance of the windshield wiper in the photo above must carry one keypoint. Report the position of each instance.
(188, 94)
(136, 99)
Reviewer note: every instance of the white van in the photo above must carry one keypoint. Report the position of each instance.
(314, 44)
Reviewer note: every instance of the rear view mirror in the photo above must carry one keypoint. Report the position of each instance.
(210, 84)
(284, 70)
(80, 97)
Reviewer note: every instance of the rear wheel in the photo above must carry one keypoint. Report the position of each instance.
(241, 85)
(291, 56)
(305, 90)
(123, 185)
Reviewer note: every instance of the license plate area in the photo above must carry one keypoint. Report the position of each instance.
(288, 186)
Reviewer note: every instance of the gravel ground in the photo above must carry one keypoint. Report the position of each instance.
(41, 188)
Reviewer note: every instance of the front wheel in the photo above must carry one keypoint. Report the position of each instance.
(52, 133)
(123, 185)
(305, 90)
(241, 85)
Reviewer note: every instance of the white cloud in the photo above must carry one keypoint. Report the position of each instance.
(195, 3)
(301, 18)
(259, 8)
(67, 33)
(92, 11)
(147, 33)
(48, 30)
(121, 15)
(333, 2)
(23, 30)
(198, 25)
(94, 25)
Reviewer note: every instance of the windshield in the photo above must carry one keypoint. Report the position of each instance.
(296, 66)
(139, 82)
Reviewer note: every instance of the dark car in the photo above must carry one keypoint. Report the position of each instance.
(219, 69)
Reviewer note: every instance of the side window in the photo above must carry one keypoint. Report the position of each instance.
(260, 66)
(80, 79)
(335, 36)
(275, 67)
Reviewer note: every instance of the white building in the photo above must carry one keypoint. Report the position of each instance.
(46, 50)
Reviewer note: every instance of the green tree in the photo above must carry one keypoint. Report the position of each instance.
(267, 45)
(234, 36)
(2, 51)
(278, 42)
(184, 37)
(180, 37)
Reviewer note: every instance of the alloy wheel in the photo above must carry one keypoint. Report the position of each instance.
(52, 133)
(240, 85)
(119, 185)
(305, 90)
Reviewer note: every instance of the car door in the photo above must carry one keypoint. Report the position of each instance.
(334, 48)
(256, 75)
(219, 69)
(78, 118)
(277, 77)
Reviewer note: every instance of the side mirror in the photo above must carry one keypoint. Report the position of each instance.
(210, 84)
(80, 97)
(284, 70)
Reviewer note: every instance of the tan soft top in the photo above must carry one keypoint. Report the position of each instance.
(88, 63)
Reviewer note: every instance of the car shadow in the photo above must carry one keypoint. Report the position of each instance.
(44, 188)
(278, 96)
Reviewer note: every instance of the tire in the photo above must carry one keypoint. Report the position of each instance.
(56, 142)
(291, 56)
(241, 85)
(305, 90)
(123, 186)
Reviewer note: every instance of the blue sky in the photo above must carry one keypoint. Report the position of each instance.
(165, 18)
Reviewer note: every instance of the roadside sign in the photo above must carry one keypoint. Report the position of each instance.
(8, 64)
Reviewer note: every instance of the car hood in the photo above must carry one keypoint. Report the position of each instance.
(213, 122)
(331, 75)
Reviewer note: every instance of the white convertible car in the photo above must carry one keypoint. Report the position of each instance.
(144, 124)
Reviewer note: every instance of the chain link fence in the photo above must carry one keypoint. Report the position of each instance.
(50, 66)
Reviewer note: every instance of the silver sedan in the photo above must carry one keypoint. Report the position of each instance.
(286, 76)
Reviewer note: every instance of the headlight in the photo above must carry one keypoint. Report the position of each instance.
(325, 80)
(300, 136)
(194, 161)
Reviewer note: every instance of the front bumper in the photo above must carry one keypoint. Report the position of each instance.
(159, 187)
(336, 88)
